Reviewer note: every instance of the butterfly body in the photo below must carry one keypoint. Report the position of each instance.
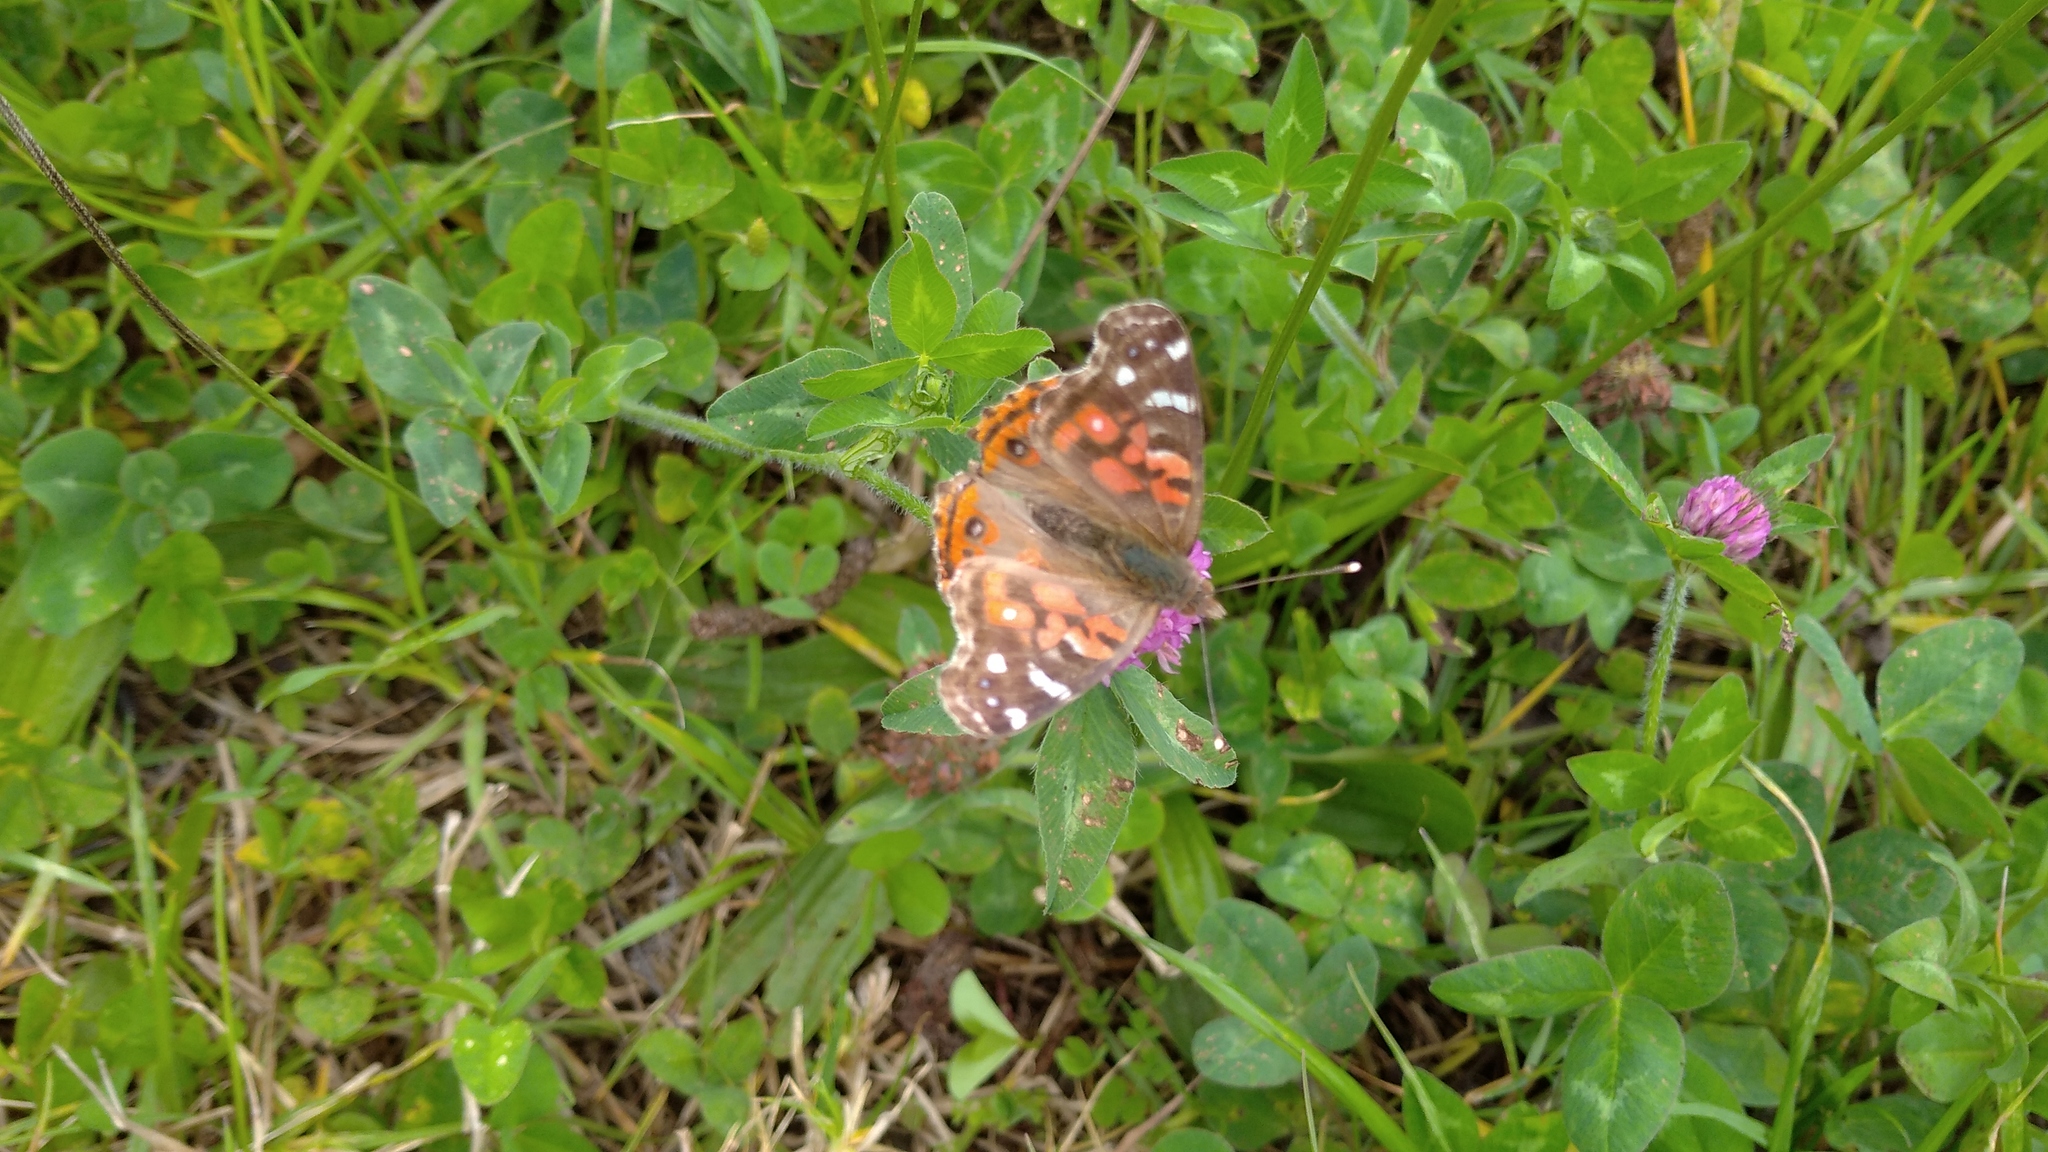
(1060, 548)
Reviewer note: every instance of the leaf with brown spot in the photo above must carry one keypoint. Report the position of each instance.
(1185, 741)
(1087, 771)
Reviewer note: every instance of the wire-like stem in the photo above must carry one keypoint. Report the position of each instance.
(1660, 661)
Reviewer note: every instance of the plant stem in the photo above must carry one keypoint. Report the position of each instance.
(1336, 231)
(1660, 663)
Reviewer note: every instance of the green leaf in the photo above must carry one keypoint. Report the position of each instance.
(774, 410)
(922, 307)
(490, 1059)
(1915, 958)
(1588, 443)
(1573, 273)
(1671, 936)
(562, 466)
(1231, 1052)
(913, 706)
(335, 1014)
(548, 241)
(1886, 878)
(1311, 874)
(933, 217)
(856, 381)
(1463, 581)
(240, 472)
(1597, 165)
(1224, 181)
(1622, 1070)
(1786, 469)
(1740, 825)
(1533, 984)
(1950, 796)
(75, 475)
(1671, 187)
(1849, 686)
(451, 477)
(917, 897)
(1948, 1052)
(1087, 769)
(1622, 781)
(1185, 741)
(991, 353)
(994, 1038)
(1294, 128)
(393, 326)
(309, 304)
(1228, 525)
(1976, 296)
(1947, 683)
(1714, 731)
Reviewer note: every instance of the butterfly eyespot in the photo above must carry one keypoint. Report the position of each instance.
(976, 528)
(1018, 449)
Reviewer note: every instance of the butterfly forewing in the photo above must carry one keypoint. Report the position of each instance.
(1031, 641)
(1126, 427)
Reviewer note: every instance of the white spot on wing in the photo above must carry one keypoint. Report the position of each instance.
(1009, 613)
(1125, 376)
(1016, 717)
(1165, 398)
(997, 664)
(1177, 350)
(1047, 684)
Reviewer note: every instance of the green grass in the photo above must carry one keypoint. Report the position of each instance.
(466, 610)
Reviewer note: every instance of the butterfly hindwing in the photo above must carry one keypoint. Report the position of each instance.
(1031, 641)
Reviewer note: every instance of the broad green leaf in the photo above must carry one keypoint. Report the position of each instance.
(1228, 525)
(1671, 187)
(1597, 164)
(1224, 181)
(1232, 1053)
(1739, 825)
(451, 477)
(1787, 468)
(933, 217)
(1437, 1117)
(913, 706)
(991, 353)
(974, 1011)
(490, 1059)
(922, 308)
(1463, 581)
(1714, 731)
(1949, 1051)
(1609, 858)
(917, 897)
(241, 473)
(1621, 1074)
(1855, 708)
(1915, 957)
(774, 410)
(309, 304)
(857, 381)
(1536, 983)
(1311, 874)
(1185, 741)
(1671, 936)
(1949, 795)
(1087, 769)
(1976, 296)
(1332, 1007)
(562, 466)
(1588, 443)
(75, 475)
(1886, 878)
(1946, 684)
(1295, 126)
(1573, 273)
(393, 325)
(1622, 781)
(335, 1014)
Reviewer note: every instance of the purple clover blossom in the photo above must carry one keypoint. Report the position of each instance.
(1171, 630)
(1725, 509)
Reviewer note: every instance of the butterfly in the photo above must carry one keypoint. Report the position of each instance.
(1061, 545)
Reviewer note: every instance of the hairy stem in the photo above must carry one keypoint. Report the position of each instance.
(1660, 662)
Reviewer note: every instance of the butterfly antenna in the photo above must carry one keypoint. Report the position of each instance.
(1209, 683)
(1338, 570)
